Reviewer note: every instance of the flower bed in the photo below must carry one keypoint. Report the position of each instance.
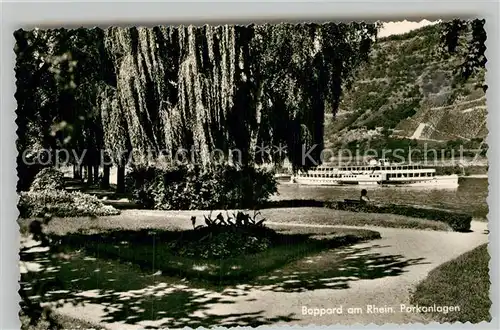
(202, 255)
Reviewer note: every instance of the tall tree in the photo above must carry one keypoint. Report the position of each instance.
(232, 87)
(58, 74)
(39, 83)
(467, 38)
(249, 88)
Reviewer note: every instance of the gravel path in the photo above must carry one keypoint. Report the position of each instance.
(381, 273)
(414, 252)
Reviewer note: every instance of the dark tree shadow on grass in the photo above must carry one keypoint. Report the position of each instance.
(335, 269)
(179, 253)
(289, 203)
(131, 296)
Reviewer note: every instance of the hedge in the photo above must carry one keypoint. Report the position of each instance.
(457, 221)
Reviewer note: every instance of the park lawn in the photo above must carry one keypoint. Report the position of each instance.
(326, 216)
(140, 248)
(120, 288)
(124, 291)
(175, 220)
(463, 282)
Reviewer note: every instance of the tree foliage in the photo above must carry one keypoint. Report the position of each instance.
(164, 88)
(233, 87)
(468, 38)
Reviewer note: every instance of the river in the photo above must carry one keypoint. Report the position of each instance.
(469, 197)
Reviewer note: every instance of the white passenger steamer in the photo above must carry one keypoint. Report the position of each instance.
(378, 173)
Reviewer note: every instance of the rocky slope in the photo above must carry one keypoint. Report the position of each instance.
(408, 92)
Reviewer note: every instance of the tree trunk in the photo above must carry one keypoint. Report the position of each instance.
(77, 172)
(90, 176)
(254, 135)
(120, 184)
(105, 177)
(96, 173)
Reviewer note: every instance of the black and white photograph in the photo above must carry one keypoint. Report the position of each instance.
(326, 173)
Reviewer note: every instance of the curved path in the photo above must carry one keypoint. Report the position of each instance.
(415, 252)
(381, 272)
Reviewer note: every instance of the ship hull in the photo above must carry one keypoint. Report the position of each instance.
(447, 181)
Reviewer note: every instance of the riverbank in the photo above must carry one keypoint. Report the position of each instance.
(474, 176)
(470, 197)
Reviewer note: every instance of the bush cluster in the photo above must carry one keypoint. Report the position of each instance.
(222, 244)
(194, 187)
(61, 203)
(225, 237)
(48, 178)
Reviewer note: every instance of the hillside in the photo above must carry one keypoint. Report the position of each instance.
(407, 95)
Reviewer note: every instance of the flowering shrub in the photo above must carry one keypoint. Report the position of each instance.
(237, 220)
(48, 178)
(193, 187)
(61, 203)
(222, 245)
(225, 237)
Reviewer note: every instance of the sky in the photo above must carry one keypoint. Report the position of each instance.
(400, 27)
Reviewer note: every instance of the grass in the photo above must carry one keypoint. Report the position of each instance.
(463, 282)
(457, 221)
(151, 250)
(113, 282)
(175, 220)
(325, 216)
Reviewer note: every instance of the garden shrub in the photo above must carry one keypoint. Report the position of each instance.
(457, 221)
(61, 203)
(48, 178)
(225, 237)
(222, 243)
(194, 187)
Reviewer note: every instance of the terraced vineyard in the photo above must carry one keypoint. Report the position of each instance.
(408, 91)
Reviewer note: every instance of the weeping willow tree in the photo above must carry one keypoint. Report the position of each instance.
(164, 89)
(247, 88)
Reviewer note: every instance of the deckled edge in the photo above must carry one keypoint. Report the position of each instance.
(492, 78)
